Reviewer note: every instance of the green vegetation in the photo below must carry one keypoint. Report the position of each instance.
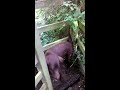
(68, 12)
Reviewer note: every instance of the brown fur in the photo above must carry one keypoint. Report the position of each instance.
(53, 64)
(56, 55)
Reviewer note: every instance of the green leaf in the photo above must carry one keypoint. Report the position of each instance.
(75, 25)
(71, 8)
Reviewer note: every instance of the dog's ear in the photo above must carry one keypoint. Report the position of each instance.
(61, 60)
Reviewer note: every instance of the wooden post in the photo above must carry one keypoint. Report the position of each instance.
(39, 68)
(37, 64)
(41, 59)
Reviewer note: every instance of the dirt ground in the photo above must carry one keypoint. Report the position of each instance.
(68, 75)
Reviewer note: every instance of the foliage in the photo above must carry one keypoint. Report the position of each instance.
(39, 14)
(67, 12)
(70, 13)
(74, 15)
(47, 39)
(51, 36)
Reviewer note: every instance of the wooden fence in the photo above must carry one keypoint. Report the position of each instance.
(79, 43)
(40, 62)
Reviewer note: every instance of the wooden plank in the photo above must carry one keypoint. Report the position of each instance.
(43, 87)
(81, 45)
(38, 77)
(82, 68)
(51, 26)
(82, 26)
(54, 43)
(38, 67)
(41, 59)
(36, 61)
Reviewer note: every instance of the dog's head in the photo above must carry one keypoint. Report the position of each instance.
(53, 65)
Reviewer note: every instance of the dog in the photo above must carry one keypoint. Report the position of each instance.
(56, 55)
